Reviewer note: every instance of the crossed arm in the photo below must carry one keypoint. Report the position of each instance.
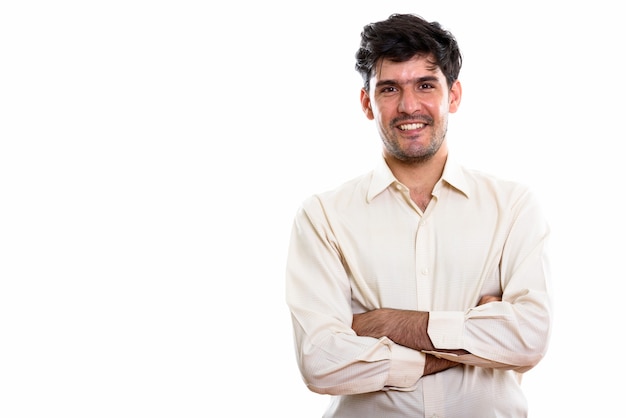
(407, 328)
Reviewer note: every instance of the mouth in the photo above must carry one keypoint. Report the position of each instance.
(411, 126)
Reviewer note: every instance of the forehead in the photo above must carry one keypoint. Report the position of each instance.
(417, 67)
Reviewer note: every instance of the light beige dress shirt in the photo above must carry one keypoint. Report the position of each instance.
(366, 245)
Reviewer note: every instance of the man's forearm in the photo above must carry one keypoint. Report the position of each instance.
(407, 328)
(404, 327)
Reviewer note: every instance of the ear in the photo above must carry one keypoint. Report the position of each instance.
(454, 97)
(366, 104)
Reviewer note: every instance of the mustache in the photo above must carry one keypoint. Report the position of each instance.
(412, 119)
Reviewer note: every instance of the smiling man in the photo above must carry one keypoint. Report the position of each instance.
(420, 288)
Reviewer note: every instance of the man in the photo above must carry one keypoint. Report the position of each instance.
(419, 289)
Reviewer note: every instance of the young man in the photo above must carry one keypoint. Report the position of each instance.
(421, 288)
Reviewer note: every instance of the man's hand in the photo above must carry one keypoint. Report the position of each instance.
(488, 298)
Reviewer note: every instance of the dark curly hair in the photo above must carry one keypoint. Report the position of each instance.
(402, 36)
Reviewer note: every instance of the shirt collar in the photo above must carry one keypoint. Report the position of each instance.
(455, 176)
(382, 178)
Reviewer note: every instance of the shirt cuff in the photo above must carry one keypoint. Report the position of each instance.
(445, 329)
(407, 367)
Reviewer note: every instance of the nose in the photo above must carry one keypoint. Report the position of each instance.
(409, 102)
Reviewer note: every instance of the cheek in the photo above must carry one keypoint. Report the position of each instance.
(444, 105)
(385, 111)
(383, 118)
(435, 108)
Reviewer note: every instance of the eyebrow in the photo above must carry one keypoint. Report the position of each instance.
(427, 78)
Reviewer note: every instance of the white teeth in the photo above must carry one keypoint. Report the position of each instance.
(411, 126)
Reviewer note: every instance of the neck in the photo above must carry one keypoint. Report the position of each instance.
(421, 176)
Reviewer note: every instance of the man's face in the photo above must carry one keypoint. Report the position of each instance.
(410, 102)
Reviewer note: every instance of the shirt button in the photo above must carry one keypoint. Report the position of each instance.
(425, 272)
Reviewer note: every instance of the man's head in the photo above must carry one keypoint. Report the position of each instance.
(401, 37)
(410, 70)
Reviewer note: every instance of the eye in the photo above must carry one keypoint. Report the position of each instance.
(388, 89)
(426, 86)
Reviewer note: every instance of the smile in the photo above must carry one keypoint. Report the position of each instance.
(410, 126)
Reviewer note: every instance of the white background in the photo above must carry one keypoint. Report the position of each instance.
(153, 154)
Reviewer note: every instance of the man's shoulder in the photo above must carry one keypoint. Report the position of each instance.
(513, 194)
(482, 178)
(355, 187)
